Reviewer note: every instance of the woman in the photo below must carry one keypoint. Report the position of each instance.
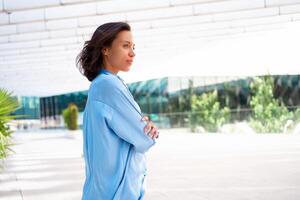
(115, 134)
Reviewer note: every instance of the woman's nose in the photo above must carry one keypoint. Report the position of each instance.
(132, 53)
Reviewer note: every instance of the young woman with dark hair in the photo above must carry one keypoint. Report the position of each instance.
(116, 135)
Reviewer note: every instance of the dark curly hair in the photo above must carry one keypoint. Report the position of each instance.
(90, 60)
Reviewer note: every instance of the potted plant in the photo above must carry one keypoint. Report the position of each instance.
(8, 104)
(70, 115)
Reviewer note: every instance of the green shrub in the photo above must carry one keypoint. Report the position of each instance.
(269, 115)
(7, 106)
(297, 115)
(207, 113)
(70, 115)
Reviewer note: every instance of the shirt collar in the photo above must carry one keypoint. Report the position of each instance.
(105, 71)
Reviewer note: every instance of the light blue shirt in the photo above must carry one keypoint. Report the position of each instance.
(114, 142)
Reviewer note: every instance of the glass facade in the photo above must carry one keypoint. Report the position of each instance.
(167, 101)
(29, 108)
(52, 108)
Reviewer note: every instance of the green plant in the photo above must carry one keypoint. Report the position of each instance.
(206, 111)
(7, 105)
(70, 115)
(269, 115)
(297, 115)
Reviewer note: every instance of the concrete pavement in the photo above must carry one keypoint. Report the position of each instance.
(48, 165)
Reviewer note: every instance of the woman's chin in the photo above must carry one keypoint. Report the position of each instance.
(126, 69)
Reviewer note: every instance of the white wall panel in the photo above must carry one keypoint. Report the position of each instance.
(183, 2)
(59, 41)
(75, 1)
(84, 37)
(1, 5)
(28, 36)
(19, 45)
(171, 30)
(3, 39)
(259, 21)
(3, 18)
(8, 29)
(264, 27)
(31, 27)
(216, 32)
(33, 51)
(86, 30)
(159, 13)
(27, 16)
(296, 17)
(9, 52)
(62, 33)
(225, 6)
(116, 6)
(25, 4)
(255, 13)
(43, 57)
(61, 24)
(182, 21)
(100, 19)
(43, 49)
(71, 11)
(280, 2)
(290, 9)
(75, 47)
(50, 41)
(140, 25)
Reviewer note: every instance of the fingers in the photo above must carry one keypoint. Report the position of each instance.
(156, 134)
(145, 118)
(151, 130)
(153, 133)
(148, 127)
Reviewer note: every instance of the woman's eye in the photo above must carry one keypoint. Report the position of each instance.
(126, 45)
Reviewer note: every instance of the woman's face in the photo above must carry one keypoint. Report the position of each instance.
(120, 55)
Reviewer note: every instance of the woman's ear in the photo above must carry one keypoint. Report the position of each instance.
(105, 51)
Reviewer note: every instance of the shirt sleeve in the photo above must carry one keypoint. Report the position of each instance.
(126, 123)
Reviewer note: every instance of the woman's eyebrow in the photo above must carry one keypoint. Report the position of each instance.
(128, 42)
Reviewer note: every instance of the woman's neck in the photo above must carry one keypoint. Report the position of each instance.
(112, 70)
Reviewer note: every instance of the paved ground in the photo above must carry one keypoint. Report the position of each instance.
(48, 165)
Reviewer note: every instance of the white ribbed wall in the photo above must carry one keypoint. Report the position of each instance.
(39, 40)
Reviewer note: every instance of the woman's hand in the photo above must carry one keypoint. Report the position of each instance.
(150, 128)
